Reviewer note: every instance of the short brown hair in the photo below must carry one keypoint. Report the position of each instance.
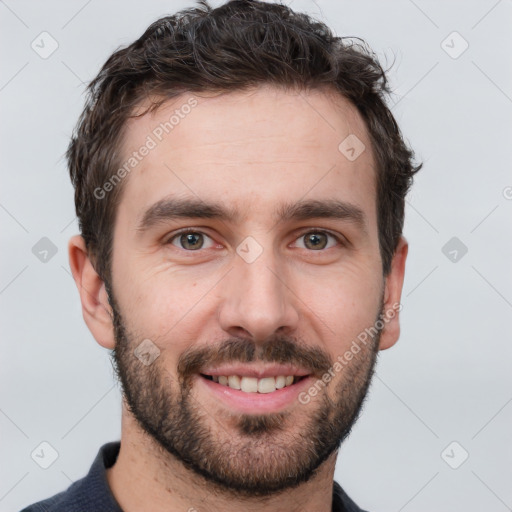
(241, 44)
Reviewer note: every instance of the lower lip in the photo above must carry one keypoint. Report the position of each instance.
(256, 403)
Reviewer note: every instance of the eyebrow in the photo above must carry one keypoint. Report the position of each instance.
(173, 208)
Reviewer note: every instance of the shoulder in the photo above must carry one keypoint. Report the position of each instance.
(90, 493)
(65, 501)
(342, 502)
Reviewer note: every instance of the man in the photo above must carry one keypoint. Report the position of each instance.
(240, 184)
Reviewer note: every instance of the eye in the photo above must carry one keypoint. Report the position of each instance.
(190, 240)
(318, 240)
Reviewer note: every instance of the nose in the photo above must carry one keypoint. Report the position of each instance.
(256, 299)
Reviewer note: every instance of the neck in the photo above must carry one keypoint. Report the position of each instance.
(145, 478)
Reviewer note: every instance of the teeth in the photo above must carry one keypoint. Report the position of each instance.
(267, 385)
(249, 384)
(254, 385)
(234, 381)
(280, 382)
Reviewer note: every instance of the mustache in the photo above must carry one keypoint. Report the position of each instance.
(277, 349)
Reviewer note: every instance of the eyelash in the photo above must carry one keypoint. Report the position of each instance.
(183, 231)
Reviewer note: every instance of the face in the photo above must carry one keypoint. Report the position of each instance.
(243, 314)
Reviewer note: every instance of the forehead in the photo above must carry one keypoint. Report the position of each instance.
(252, 150)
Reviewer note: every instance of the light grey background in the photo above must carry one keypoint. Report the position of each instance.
(448, 378)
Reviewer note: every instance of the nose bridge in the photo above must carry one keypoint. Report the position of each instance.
(257, 299)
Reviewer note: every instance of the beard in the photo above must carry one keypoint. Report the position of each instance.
(246, 455)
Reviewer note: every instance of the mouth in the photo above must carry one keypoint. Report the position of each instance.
(253, 384)
(254, 389)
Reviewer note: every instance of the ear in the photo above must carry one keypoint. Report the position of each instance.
(392, 293)
(96, 309)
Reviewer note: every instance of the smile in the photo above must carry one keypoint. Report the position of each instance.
(253, 384)
(254, 390)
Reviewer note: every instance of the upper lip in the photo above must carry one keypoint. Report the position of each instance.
(254, 370)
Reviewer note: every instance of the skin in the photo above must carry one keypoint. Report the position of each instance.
(184, 300)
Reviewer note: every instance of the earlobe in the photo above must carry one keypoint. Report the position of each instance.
(392, 294)
(96, 309)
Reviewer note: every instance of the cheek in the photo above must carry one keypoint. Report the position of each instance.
(166, 306)
(347, 302)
